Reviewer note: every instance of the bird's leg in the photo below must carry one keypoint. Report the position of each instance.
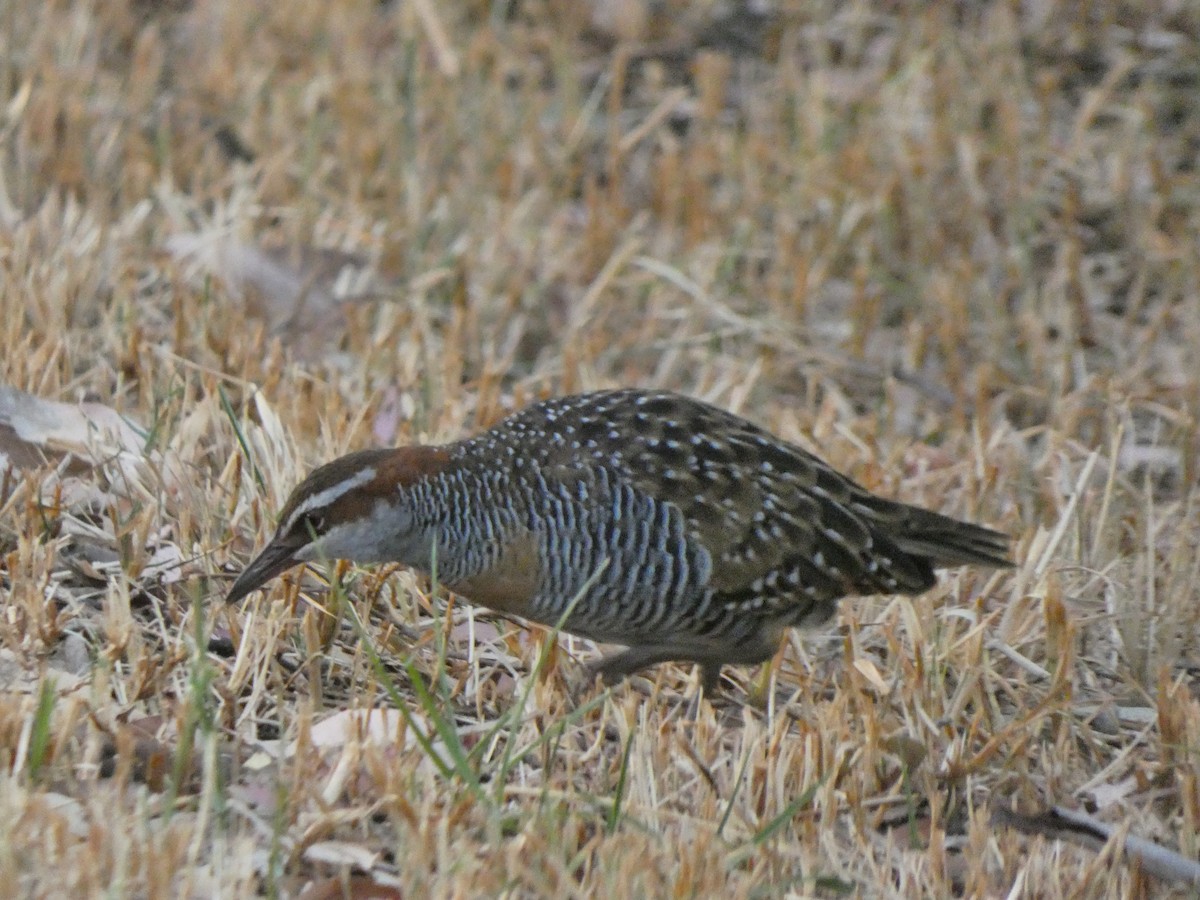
(710, 678)
(710, 684)
(624, 663)
(618, 666)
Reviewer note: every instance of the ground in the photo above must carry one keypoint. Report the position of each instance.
(950, 247)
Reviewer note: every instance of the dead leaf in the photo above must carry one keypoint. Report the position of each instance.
(870, 672)
(298, 292)
(78, 438)
(35, 431)
(342, 853)
(370, 726)
(1105, 795)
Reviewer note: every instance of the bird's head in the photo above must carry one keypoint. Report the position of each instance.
(357, 507)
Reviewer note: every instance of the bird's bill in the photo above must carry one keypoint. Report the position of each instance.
(278, 557)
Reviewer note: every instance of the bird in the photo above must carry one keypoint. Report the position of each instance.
(640, 518)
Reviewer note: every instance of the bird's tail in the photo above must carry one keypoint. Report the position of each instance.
(948, 542)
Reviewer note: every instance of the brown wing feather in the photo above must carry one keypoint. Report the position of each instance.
(762, 506)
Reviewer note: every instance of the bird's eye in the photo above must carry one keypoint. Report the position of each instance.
(313, 524)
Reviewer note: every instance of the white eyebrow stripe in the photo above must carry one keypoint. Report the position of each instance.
(327, 496)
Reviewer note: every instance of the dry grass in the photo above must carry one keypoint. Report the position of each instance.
(952, 247)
